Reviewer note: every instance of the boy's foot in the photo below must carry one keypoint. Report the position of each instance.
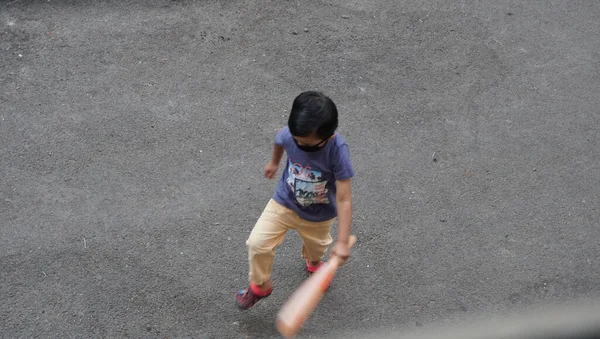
(312, 267)
(247, 297)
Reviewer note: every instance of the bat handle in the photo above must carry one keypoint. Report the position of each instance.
(351, 240)
(335, 260)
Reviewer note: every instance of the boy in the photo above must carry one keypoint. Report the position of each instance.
(313, 190)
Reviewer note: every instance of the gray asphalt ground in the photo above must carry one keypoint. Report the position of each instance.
(133, 135)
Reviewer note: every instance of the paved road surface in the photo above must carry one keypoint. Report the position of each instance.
(133, 136)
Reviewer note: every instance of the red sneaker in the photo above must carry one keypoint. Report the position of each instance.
(247, 297)
(312, 269)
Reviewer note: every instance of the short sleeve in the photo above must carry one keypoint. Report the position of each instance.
(342, 167)
(279, 137)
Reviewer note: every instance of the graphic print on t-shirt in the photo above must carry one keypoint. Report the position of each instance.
(308, 185)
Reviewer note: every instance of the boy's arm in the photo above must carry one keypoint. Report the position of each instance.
(277, 154)
(273, 165)
(277, 149)
(344, 207)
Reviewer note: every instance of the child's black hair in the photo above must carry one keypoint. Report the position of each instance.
(313, 112)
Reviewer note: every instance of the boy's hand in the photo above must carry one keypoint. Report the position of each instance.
(271, 170)
(341, 250)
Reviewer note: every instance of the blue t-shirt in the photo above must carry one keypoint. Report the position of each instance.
(307, 185)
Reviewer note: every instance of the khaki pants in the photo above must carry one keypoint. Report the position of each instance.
(269, 231)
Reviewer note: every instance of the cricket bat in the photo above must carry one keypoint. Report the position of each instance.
(307, 296)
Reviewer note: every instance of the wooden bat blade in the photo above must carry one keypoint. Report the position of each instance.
(305, 299)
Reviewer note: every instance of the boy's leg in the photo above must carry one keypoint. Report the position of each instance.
(316, 237)
(268, 233)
